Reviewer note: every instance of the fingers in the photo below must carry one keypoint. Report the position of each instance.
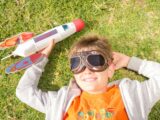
(52, 43)
(119, 60)
(115, 57)
(49, 48)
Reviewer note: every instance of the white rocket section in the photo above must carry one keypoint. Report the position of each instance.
(33, 45)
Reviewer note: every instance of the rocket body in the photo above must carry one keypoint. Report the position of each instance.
(41, 41)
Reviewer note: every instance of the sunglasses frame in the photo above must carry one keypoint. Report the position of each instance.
(83, 56)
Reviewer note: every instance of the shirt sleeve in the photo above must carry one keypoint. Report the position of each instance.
(27, 90)
(151, 87)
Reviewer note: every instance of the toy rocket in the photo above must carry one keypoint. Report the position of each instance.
(39, 42)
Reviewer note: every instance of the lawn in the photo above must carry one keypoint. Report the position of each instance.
(132, 27)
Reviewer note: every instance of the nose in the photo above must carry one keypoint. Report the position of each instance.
(87, 71)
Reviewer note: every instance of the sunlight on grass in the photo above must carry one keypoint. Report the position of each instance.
(132, 27)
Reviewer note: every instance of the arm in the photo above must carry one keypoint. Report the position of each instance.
(150, 88)
(148, 69)
(27, 90)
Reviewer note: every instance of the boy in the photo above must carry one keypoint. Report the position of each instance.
(89, 95)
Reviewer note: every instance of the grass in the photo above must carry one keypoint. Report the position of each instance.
(132, 26)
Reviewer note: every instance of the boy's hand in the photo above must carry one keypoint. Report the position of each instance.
(47, 51)
(120, 60)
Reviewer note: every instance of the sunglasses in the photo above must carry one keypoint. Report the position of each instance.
(93, 60)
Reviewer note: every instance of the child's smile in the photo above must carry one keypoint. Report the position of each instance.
(89, 79)
(93, 82)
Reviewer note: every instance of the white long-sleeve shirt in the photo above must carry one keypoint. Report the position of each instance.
(138, 97)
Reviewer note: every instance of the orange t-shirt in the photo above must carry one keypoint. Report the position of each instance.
(104, 106)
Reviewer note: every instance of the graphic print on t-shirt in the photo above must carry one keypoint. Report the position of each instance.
(102, 114)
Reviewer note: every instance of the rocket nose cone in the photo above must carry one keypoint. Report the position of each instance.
(79, 24)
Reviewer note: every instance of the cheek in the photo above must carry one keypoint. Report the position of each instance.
(76, 77)
(103, 76)
(78, 81)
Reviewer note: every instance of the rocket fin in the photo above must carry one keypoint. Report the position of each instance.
(25, 63)
(16, 40)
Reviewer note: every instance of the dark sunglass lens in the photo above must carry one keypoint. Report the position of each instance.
(96, 60)
(74, 62)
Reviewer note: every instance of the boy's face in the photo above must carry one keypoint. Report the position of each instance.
(91, 81)
(94, 82)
